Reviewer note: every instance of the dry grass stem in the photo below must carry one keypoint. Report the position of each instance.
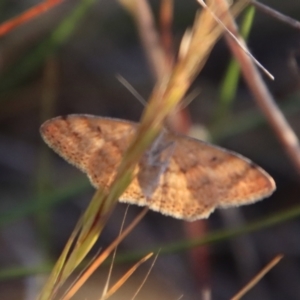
(239, 42)
(104, 255)
(131, 89)
(53, 282)
(125, 277)
(166, 20)
(146, 277)
(83, 270)
(276, 14)
(93, 221)
(185, 44)
(258, 277)
(155, 55)
(262, 95)
(114, 255)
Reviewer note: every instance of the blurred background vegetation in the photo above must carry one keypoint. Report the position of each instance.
(65, 61)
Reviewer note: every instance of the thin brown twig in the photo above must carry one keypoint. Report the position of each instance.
(29, 14)
(257, 277)
(81, 272)
(104, 255)
(166, 20)
(125, 277)
(146, 277)
(131, 89)
(276, 14)
(114, 256)
(263, 97)
(149, 37)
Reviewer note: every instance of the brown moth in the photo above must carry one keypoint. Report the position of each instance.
(178, 176)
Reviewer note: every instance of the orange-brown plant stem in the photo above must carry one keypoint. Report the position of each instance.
(98, 261)
(258, 277)
(27, 15)
(166, 20)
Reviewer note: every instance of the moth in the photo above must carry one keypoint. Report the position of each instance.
(177, 176)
